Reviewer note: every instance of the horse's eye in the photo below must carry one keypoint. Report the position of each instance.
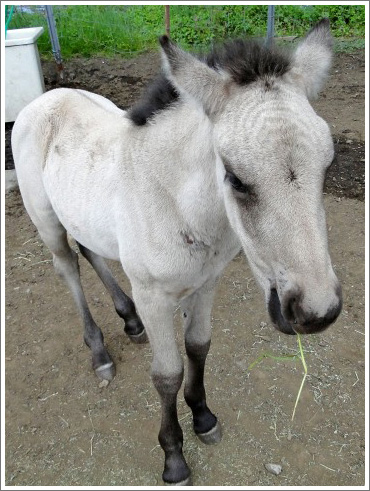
(236, 182)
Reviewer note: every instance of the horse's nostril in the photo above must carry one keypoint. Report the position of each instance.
(277, 317)
(291, 307)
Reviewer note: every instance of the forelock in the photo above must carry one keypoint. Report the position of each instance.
(246, 61)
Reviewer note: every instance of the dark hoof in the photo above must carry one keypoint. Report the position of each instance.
(136, 331)
(139, 338)
(185, 482)
(176, 471)
(212, 436)
(106, 371)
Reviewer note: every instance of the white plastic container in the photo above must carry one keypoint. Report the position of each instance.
(23, 75)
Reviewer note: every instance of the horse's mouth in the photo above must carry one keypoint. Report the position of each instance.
(274, 309)
(308, 323)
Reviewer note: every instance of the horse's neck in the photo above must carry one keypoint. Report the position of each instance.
(183, 161)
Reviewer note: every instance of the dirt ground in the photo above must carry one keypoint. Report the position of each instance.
(64, 429)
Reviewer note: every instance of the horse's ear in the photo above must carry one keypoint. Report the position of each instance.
(312, 59)
(191, 77)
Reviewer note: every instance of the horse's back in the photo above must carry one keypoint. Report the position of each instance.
(59, 123)
(38, 124)
(56, 141)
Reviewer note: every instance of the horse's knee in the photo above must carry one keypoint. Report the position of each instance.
(66, 262)
(168, 384)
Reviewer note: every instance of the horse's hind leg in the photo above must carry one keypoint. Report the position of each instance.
(124, 306)
(65, 262)
(197, 324)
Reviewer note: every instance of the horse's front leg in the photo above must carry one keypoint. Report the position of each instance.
(197, 323)
(156, 311)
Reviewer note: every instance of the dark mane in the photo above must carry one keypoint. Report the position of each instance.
(246, 61)
(159, 95)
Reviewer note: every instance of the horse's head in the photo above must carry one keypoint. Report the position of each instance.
(272, 152)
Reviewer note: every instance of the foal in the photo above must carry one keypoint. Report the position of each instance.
(223, 154)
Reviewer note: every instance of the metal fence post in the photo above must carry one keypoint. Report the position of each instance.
(270, 24)
(167, 19)
(54, 39)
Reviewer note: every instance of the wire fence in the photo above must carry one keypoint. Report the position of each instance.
(130, 29)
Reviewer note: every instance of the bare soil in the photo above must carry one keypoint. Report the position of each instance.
(64, 429)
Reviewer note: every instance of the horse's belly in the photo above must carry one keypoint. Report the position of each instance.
(91, 233)
(84, 211)
(98, 241)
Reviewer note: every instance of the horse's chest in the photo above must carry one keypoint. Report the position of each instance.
(200, 262)
(221, 253)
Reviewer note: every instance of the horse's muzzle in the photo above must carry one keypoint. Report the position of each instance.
(291, 319)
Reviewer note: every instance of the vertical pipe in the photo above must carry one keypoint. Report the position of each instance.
(167, 19)
(54, 38)
(270, 25)
(8, 16)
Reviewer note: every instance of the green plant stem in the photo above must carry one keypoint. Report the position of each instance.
(269, 355)
(287, 358)
(304, 376)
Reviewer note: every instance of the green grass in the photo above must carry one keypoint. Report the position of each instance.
(349, 44)
(108, 30)
(289, 357)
